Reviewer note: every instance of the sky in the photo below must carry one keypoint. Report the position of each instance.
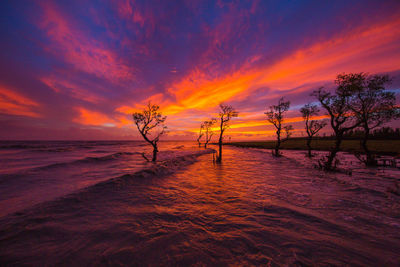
(77, 70)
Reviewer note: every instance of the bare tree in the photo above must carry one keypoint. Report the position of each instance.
(288, 131)
(147, 122)
(225, 115)
(342, 119)
(201, 134)
(275, 117)
(208, 130)
(371, 103)
(312, 126)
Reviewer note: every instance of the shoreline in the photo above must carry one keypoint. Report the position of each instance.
(380, 147)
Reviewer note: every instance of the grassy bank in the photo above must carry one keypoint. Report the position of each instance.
(383, 147)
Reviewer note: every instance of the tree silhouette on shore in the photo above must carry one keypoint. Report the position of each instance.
(275, 117)
(341, 117)
(312, 126)
(371, 103)
(226, 113)
(147, 121)
(201, 134)
(208, 130)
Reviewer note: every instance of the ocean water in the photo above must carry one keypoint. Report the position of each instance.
(102, 204)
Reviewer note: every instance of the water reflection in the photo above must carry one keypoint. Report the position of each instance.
(252, 209)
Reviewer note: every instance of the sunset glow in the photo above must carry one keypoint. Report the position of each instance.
(90, 66)
(200, 133)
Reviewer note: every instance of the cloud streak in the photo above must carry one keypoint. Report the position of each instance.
(13, 103)
(96, 63)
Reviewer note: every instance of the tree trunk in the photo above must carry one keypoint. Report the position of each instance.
(278, 143)
(205, 145)
(155, 150)
(369, 159)
(309, 146)
(333, 152)
(219, 156)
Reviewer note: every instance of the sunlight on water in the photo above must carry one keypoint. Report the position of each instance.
(252, 209)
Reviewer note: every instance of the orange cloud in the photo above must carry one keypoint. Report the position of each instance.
(354, 51)
(371, 50)
(197, 92)
(88, 117)
(261, 122)
(16, 104)
(374, 50)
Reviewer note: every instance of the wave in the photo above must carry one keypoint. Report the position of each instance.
(158, 169)
(59, 149)
(104, 187)
(22, 146)
(361, 189)
(109, 157)
(99, 151)
(39, 145)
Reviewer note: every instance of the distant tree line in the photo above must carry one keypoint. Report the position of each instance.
(381, 133)
(388, 133)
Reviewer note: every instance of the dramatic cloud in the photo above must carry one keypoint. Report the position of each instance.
(15, 104)
(87, 66)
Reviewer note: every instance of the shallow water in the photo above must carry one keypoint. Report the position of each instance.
(252, 209)
(34, 172)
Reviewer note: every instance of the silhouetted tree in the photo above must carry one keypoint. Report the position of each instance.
(312, 126)
(342, 119)
(275, 117)
(208, 130)
(201, 134)
(288, 130)
(225, 115)
(371, 103)
(146, 122)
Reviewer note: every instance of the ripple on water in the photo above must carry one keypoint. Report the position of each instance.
(250, 210)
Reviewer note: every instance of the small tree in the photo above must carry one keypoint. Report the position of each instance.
(288, 131)
(200, 134)
(146, 122)
(341, 117)
(371, 103)
(208, 130)
(225, 115)
(312, 126)
(275, 117)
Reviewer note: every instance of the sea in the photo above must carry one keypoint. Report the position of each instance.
(101, 203)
